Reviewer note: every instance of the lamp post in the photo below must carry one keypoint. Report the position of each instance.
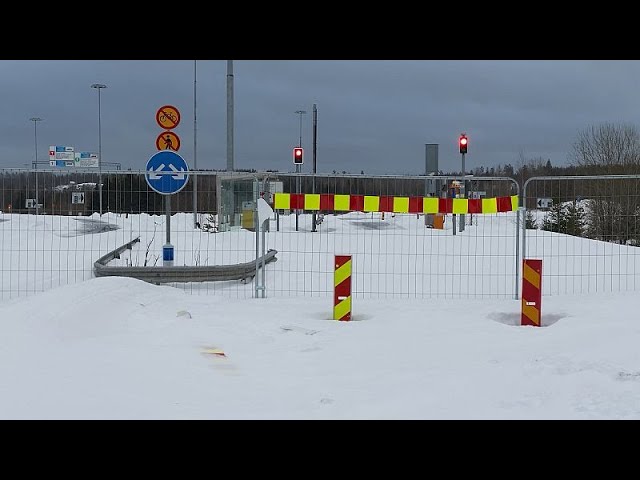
(230, 166)
(35, 121)
(99, 86)
(301, 113)
(298, 168)
(314, 218)
(195, 145)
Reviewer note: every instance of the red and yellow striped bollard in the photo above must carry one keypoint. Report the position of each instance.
(531, 292)
(342, 288)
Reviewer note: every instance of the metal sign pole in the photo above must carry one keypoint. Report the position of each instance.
(297, 191)
(256, 223)
(263, 283)
(464, 183)
(167, 174)
(167, 250)
(452, 189)
(167, 206)
(314, 217)
(518, 212)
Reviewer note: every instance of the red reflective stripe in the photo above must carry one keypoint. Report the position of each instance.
(356, 203)
(504, 204)
(530, 293)
(386, 204)
(343, 289)
(475, 205)
(326, 201)
(415, 204)
(445, 205)
(297, 201)
(341, 260)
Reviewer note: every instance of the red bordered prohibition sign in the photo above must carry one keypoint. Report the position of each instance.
(168, 117)
(168, 141)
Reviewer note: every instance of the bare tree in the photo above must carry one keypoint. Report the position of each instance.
(610, 149)
(529, 167)
(607, 148)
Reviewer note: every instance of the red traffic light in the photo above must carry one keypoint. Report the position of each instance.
(463, 143)
(297, 155)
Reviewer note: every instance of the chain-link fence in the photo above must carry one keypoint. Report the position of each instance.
(404, 235)
(51, 231)
(586, 229)
(409, 236)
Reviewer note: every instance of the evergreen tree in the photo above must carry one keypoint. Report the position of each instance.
(574, 219)
(569, 219)
(508, 170)
(555, 220)
(530, 221)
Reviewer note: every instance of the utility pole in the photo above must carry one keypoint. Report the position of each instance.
(298, 166)
(99, 86)
(230, 167)
(230, 116)
(35, 121)
(315, 163)
(195, 144)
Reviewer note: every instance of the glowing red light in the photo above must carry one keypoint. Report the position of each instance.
(463, 141)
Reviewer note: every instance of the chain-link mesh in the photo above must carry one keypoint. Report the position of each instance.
(395, 254)
(586, 230)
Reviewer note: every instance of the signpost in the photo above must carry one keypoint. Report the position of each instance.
(86, 159)
(66, 156)
(167, 173)
(168, 117)
(61, 156)
(168, 141)
(77, 198)
(544, 202)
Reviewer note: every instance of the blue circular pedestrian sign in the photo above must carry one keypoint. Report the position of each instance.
(167, 172)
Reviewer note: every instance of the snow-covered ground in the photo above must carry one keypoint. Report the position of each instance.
(120, 348)
(392, 258)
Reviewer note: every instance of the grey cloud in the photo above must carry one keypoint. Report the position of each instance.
(373, 115)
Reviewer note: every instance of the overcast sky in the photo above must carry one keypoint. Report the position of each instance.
(373, 115)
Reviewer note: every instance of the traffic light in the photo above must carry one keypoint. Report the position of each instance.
(297, 156)
(463, 142)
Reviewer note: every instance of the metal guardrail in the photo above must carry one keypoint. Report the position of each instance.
(178, 274)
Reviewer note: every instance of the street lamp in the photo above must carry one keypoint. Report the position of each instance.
(301, 113)
(195, 144)
(99, 86)
(35, 121)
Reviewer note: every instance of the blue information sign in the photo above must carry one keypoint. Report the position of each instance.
(167, 172)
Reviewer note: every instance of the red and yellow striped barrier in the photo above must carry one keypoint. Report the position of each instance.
(531, 292)
(342, 288)
(371, 203)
